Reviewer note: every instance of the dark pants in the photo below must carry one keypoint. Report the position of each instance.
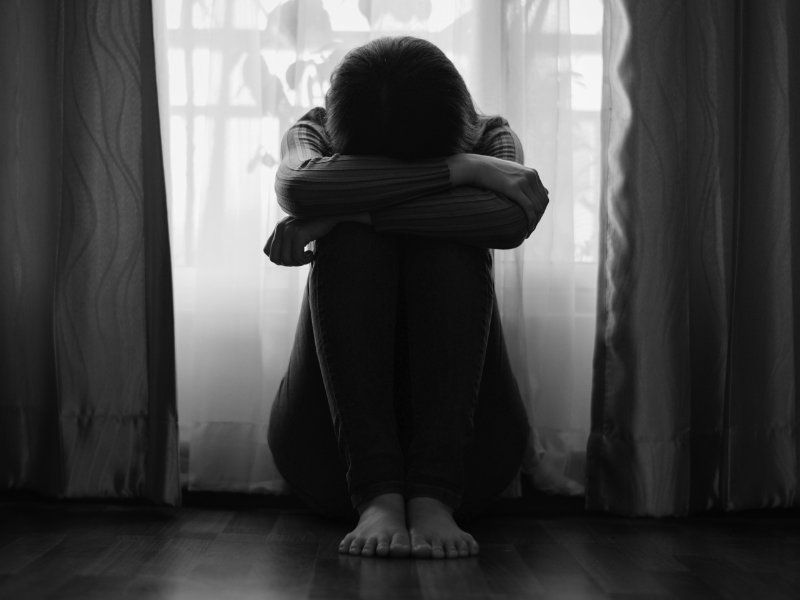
(399, 379)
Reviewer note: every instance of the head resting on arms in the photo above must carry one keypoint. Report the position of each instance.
(399, 97)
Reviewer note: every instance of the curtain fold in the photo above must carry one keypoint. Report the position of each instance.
(696, 362)
(87, 375)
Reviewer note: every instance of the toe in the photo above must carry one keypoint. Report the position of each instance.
(369, 547)
(420, 548)
(344, 545)
(400, 545)
(472, 545)
(382, 548)
(463, 548)
(356, 546)
(437, 551)
(450, 550)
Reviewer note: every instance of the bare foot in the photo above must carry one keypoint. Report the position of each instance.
(434, 532)
(381, 528)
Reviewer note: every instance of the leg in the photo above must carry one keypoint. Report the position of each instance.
(501, 429)
(353, 288)
(301, 435)
(449, 296)
(353, 295)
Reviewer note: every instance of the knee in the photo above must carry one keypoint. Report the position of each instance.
(353, 240)
(447, 257)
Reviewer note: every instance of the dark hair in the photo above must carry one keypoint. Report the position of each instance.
(399, 97)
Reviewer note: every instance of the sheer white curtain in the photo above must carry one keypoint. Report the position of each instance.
(235, 74)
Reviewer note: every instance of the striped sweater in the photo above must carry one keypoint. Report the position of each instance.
(402, 197)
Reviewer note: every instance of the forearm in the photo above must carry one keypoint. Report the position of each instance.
(460, 197)
(347, 185)
(312, 183)
(364, 218)
(466, 215)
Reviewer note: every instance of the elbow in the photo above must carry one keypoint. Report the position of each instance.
(510, 237)
(519, 237)
(517, 231)
(513, 239)
(290, 201)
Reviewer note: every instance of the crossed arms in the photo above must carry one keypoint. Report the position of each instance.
(488, 199)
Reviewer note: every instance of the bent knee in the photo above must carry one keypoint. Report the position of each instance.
(354, 239)
(443, 254)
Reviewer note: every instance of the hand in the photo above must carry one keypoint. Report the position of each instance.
(286, 245)
(518, 183)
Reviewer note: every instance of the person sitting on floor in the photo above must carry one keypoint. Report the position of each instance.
(399, 409)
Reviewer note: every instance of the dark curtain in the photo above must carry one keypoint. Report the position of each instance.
(87, 366)
(697, 358)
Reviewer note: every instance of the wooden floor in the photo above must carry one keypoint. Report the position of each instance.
(86, 551)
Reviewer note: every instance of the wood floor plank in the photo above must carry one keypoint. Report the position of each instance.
(26, 549)
(572, 530)
(544, 557)
(299, 527)
(732, 527)
(786, 582)
(686, 585)
(56, 567)
(521, 530)
(388, 579)
(253, 563)
(107, 551)
(786, 529)
(90, 587)
(452, 579)
(76, 553)
(488, 530)
(506, 574)
(256, 522)
(613, 569)
(574, 586)
(127, 556)
(178, 558)
(761, 555)
(23, 519)
(335, 575)
(729, 581)
(143, 522)
(204, 524)
(646, 554)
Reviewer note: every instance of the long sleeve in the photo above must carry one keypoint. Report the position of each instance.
(406, 197)
(313, 183)
(465, 214)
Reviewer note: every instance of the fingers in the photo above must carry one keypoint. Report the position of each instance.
(285, 248)
(298, 254)
(276, 251)
(268, 245)
(538, 199)
(524, 199)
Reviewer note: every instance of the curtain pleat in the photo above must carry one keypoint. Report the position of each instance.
(89, 406)
(30, 183)
(695, 375)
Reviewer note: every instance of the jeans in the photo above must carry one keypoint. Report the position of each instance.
(401, 382)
